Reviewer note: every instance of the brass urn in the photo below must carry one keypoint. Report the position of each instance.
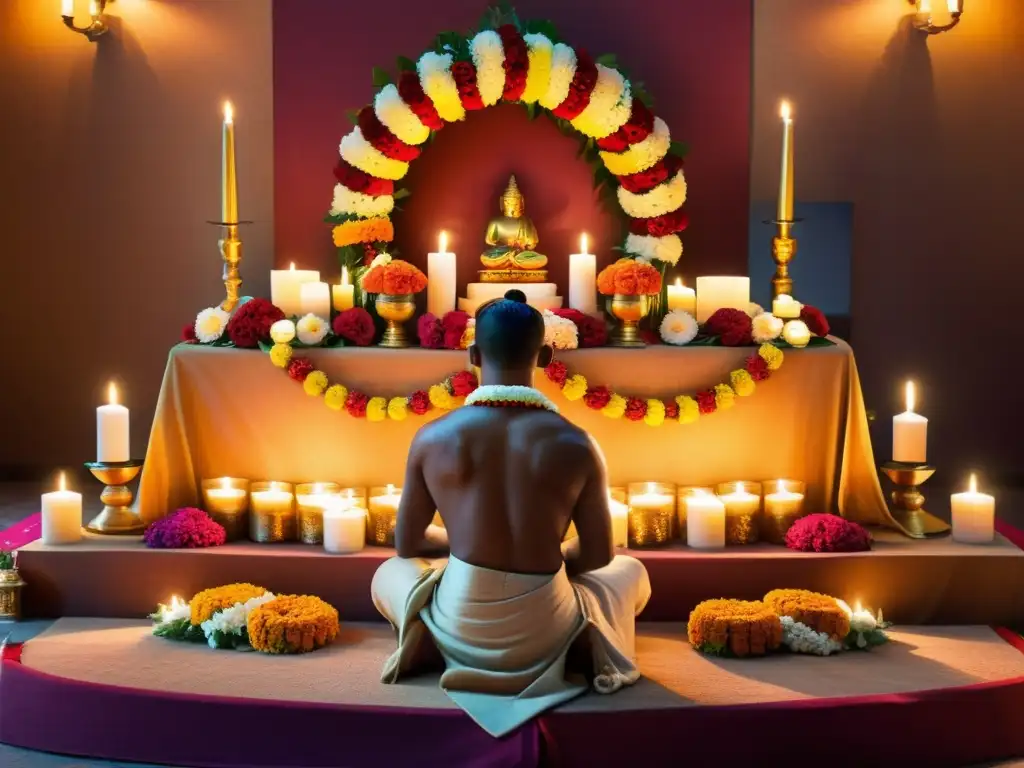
(395, 310)
(629, 311)
(11, 585)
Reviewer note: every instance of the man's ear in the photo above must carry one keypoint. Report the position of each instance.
(547, 354)
(474, 355)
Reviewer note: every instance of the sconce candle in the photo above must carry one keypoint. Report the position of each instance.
(441, 279)
(785, 210)
(974, 515)
(112, 432)
(681, 298)
(910, 433)
(61, 515)
(229, 178)
(285, 288)
(583, 279)
(343, 293)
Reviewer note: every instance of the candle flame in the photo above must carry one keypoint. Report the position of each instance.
(739, 487)
(391, 490)
(973, 484)
(781, 486)
(348, 494)
(292, 267)
(679, 282)
(112, 393)
(62, 483)
(94, 8)
(442, 242)
(583, 243)
(910, 397)
(229, 113)
(954, 5)
(225, 484)
(786, 111)
(318, 488)
(344, 275)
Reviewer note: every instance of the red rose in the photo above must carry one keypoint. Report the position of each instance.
(645, 181)
(430, 332)
(649, 337)
(419, 402)
(465, 81)
(557, 372)
(454, 326)
(299, 368)
(706, 401)
(815, 320)
(360, 181)
(636, 409)
(355, 325)
(412, 94)
(659, 226)
(732, 326)
(382, 139)
(592, 331)
(356, 403)
(636, 129)
(580, 88)
(463, 383)
(250, 324)
(757, 368)
(188, 334)
(671, 409)
(597, 397)
(516, 63)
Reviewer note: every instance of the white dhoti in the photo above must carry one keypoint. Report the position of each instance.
(504, 637)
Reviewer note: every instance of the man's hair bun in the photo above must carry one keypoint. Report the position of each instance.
(516, 295)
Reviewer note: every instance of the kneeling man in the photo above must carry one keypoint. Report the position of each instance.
(508, 475)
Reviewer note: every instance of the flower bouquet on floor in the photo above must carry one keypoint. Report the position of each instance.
(630, 285)
(394, 283)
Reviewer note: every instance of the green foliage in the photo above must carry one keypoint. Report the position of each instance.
(401, 194)
(6, 560)
(405, 64)
(608, 60)
(714, 649)
(542, 27)
(229, 641)
(353, 115)
(678, 148)
(380, 78)
(181, 630)
(816, 341)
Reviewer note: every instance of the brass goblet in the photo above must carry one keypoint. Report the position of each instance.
(909, 501)
(117, 518)
(395, 310)
(629, 310)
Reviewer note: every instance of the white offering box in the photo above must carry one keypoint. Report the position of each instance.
(974, 516)
(61, 516)
(583, 279)
(705, 521)
(714, 293)
(112, 431)
(910, 433)
(344, 528)
(441, 279)
(284, 288)
(681, 298)
(315, 299)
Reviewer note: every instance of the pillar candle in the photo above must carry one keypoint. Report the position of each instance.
(284, 288)
(229, 178)
(583, 279)
(315, 298)
(910, 433)
(67, 8)
(344, 528)
(974, 515)
(441, 279)
(620, 522)
(714, 293)
(61, 515)
(705, 521)
(786, 307)
(343, 293)
(682, 298)
(785, 210)
(112, 435)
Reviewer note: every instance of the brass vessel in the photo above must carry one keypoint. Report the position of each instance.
(117, 518)
(908, 500)
(11, 585)
(395, 310)
(629, 310)
(783, 251)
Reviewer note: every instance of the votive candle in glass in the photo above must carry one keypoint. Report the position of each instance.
(651, 509)
(742, 501)
(226, 500)
(344, 527)
(783, 506)
(310, 501)
(383, 514)
(684, 492)
(272, 512)
(354, 497)
(705, 521)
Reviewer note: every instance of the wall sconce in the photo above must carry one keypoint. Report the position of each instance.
(923, 20)
(97, 25)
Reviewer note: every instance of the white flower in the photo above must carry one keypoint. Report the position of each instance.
(800, 638)
(176, 611)
(435, 71)
(766, 327)
(357, 151)
(312, 330)
(796, 333)
(667, 248)
(398, 118)
(563, 69)
(231, 621)
(678, 328)
(611, 102)
(380, 260)
(753, 310)
(560, 332)
(664, 198)
(642, 155)
(282, 332)
(363, 206)
(210, 324)
(489, 59)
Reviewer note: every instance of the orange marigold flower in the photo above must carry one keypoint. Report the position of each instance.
(375, 230)
(395, 278)
(209, 601)
(819, 612)
(292, 624)
(628, 277)
(737, 627)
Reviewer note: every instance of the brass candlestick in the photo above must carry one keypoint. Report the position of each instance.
(231, 253)
(117, 517)
(783, 251)
(97, 22)
(908, 500)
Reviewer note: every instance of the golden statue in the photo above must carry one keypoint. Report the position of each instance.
(512, 238)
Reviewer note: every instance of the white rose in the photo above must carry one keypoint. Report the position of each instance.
(282, 332)
(766, 327)
(312, 330)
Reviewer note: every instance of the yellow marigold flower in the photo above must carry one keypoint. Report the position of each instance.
(468, 337)
(737, 627)
(377, 409)
(209, 601)
(292, 624)
(440, 397)
(742, 382)
(575, 387)
(689, 411)
(724, 396)
(335, 397)
(281, 355)
(772, 356)
(616, 407)
(538, 74)
(374, 230)
(819, 612)
(655, 413)
(398, 408)
(315, 383)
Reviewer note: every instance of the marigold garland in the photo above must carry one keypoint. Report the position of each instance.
(734, 627)
(819, 612)
(209, 601)
(377, 229)
(292, 624)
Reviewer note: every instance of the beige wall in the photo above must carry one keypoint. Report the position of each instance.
(109, 167)
(924, 136)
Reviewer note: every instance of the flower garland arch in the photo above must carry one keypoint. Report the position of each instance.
(636, 163)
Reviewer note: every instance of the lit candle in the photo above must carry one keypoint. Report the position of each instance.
(682, 298)
(225, 496)
(785, 212)
(441, 279)
(786, 307)
(226, 500)
(343, 293)
(275, 500)
(311, 500)
(796, 333)
(112, 434)
(386, 503)
(229, 178)
(652, 507)
(910, 433)
(94, 8)
(705, 521)
(742, 510)
(383, 514)
(714, 293)
(783, 502)
(583, 279)
(974, 515)
(315, 298)
(620, 522)
(61, 515)
(67, 8)
(740, 501)
(285, 286)
(344, 528)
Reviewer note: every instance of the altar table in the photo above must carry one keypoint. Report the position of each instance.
(230, 412)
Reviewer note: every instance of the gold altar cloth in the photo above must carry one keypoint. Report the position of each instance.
(229, 412)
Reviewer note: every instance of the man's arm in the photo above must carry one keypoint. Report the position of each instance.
(593, 520)
(414, 535)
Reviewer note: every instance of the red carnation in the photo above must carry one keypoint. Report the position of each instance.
(188, 334)
(382, 139)
(430, 332)
(516, 63)
(299, 368)
(557, 372)
(250, 324)
(413, 95)
(827, 533)
(463, 383)
(355, 325)
(645, 181)
(597, 397)
(580, 88)
(636, 408)
(671, 409)
(659, 226)
(614, 142)
(732, 326)
(706, 401)
(356, 403)
(757, 368)
(592, 331)
(454, 326)
(360, 181)
(815, 320)
(465, 81)
(419, 402)
(636, 129)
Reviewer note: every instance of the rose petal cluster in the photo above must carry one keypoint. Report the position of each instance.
(187, 528)
(356, 326)
(251, 322)
(732, 326)
(827, 533)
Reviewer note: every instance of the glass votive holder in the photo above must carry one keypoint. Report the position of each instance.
(652, 507)
(742, 499)
(310, 501)
(271, 512)
(353, 497)
(783, 506)
(344, 528)
(382, 515)
(684, 492)
(226, 501)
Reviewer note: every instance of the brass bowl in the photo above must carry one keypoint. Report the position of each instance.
(629, 310)
(117, 518)
(395, 310)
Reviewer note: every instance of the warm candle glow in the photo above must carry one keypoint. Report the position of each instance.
(229, 113)
(954, 5)
(112, 393)
(679, 282)
(62, 483)
(910, 397)
(67, 8)
(786, 111)
(973, 485)
(442, 242)
(225, 484)
(292, 267)
(924, 6)
(391, 490)
(344, 275)
(583, 243)
(781, 487)
(94, 8)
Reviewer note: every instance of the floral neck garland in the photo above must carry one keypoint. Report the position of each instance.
(500, 396)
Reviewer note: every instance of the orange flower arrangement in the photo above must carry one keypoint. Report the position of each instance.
(819, 612)
(396, 278)
(377, 230)
(292, 624)
(209, 601)
(734, 627)
(628, 277)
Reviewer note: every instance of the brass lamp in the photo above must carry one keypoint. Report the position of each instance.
(924, 22)
(97, 24)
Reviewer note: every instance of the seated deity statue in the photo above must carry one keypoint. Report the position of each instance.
(518, 621)
(513, 239)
